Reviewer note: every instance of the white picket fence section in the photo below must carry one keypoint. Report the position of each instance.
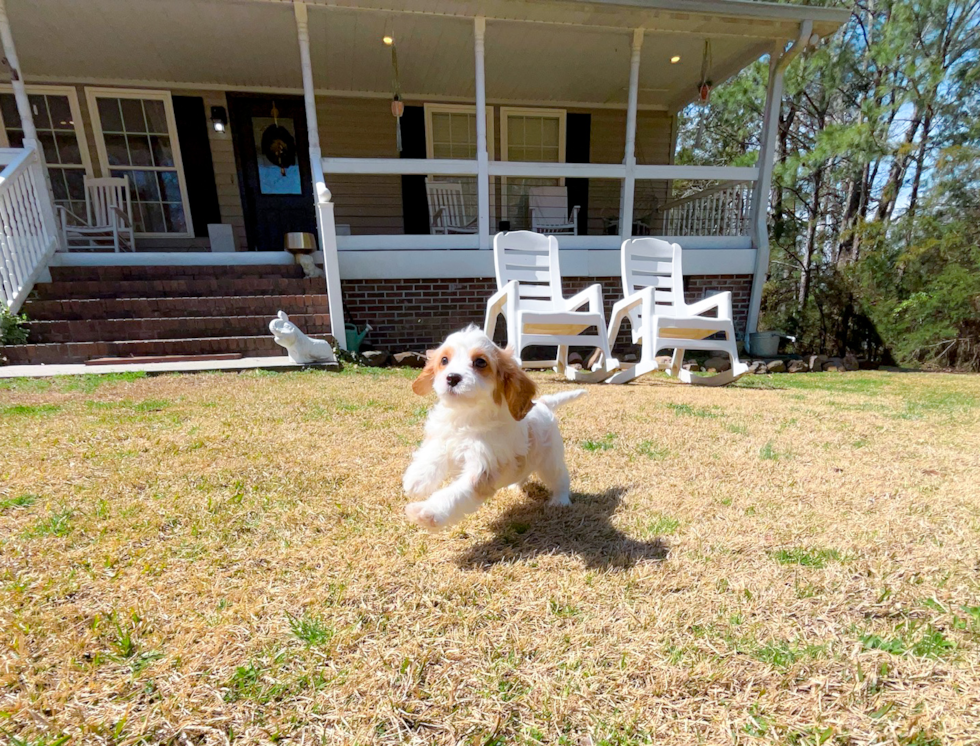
(723, 210)
(28, 230)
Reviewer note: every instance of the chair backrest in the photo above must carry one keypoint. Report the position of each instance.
(447, 195)
(549, 203)
(650, 262)
(102, 195)
(532, 260)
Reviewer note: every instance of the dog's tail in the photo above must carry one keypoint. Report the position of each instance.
(553, 401)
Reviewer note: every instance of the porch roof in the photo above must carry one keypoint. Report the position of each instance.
(543, 52)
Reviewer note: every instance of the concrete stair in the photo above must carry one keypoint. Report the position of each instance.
(95, 312)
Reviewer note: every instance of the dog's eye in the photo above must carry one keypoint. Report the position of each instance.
(444, 361)
(479, 363)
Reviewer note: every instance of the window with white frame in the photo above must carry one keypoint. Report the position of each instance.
(450, 132)
(536, 135)
(136, 136)
(58, 121)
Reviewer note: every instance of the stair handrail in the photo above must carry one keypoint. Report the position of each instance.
(28, 229)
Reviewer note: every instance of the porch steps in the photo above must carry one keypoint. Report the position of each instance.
(124, 312)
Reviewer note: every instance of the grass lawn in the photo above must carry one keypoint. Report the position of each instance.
(223, 558)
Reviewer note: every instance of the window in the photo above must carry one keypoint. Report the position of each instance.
(536, 135)
(58, 120)
(450, 132)
(136, 137)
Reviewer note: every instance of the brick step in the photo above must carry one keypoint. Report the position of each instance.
(113, 330)
(114, 274)
(158, 308)
(193, 287)
(79, 352)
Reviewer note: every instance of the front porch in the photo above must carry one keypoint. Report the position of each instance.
(580, 97)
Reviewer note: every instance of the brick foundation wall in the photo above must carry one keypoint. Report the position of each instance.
(415, 314)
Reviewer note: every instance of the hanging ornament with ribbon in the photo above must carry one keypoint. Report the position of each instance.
(397, 105)
(704, 93)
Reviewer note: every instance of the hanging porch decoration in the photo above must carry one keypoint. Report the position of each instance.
(704, 92)
(397, 105)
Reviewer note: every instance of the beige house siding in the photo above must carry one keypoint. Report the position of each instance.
(365, 128)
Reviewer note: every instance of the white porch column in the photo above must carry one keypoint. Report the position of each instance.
(778, 62)
(629, 183)
(482, 153)
(16, 79)
(326, 226)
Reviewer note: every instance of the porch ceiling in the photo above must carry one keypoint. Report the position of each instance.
(573, 52)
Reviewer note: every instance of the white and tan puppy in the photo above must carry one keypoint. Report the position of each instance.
(485, 432)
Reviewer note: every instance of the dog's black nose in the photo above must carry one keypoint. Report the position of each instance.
(453, 378)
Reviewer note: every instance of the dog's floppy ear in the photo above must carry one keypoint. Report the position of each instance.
(518, 388)
(423, 384)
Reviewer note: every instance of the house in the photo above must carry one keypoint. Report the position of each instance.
(237, 121)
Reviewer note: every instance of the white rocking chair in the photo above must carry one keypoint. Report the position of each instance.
(108, 222)
(653, 286)
(530, 299)
(447, 211)
(549, 211)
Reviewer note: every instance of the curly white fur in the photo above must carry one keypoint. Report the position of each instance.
(485, 432)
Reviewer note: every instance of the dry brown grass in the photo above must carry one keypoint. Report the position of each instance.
(223, 559)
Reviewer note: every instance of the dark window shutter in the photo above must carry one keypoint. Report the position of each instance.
(415, 205)
(195, 152)
(577, 140)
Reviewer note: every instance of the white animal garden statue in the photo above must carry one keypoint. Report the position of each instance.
(301, 348)
(309, 266)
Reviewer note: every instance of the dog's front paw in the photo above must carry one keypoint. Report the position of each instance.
(422, 514)
(559, 500)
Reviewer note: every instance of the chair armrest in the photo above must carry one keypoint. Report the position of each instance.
(721, 301)
(121, 215)
(436, 218)
(628, 303)
(498, 301)
(591, 295)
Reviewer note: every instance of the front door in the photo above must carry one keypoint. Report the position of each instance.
(272, 152)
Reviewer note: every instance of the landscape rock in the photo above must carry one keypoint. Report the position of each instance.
(629, 357)
(575, 359)
(834, 365)
(410, 359)
(776, 366)
(797, 366)
(692, 366)
(376, 358)
(758, 367)
(815, 362)
(851, 362)
(717, 364)
(664, 361)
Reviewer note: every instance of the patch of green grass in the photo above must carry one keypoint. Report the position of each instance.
(42, 741)
(686, 410)
(150, 405)
(783, 654)
(663, 525)
(57, 524)
(605, 443)
(560, 609)
(769, 453)
(311, 630)
(738, 429)
(806, 557)
(28, 410)
(652, 451)
(912, 638)
(253, 683)
(20, 501)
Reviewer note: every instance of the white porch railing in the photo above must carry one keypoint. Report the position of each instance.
(28, 231)
(715, 214)
(723, 210)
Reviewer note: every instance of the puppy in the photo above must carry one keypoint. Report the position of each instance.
(484, 433)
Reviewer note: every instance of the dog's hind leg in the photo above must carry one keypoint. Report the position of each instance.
(554, 474)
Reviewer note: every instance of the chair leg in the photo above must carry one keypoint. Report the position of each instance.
(676, 362)
(561, 362)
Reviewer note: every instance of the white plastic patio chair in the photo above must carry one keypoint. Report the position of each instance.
(108, 222)
(447, 210)
(530, 299)
(653, 286)
(548, 206)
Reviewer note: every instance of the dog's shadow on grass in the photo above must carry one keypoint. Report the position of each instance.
(585, 529)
